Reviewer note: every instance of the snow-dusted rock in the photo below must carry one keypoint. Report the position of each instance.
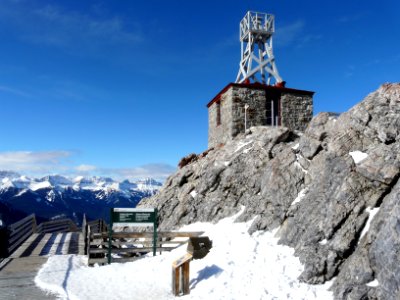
(267, 169)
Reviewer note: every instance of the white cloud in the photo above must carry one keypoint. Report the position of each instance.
(86, 168)
(158, 171)
(61, 162)
(352, 18)
(34, 162)
(67, 27)
(295, 34)
(76, 31)
(14, 91)
(289, 33)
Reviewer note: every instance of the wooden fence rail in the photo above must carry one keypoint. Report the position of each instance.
(61, 225)
(15, 234)
(130, 246)
(98, 225)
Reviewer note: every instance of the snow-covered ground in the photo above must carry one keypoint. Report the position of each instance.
(239, 266)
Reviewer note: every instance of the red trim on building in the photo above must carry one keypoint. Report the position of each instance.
(258, 86)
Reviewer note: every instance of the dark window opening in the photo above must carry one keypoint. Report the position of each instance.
(273, 113)
(218, 113)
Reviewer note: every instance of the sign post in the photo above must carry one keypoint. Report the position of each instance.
(110, 231)
(133, 217)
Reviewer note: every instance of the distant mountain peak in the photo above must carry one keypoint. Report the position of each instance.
(59, 182)
(53, 195)
(9, 174)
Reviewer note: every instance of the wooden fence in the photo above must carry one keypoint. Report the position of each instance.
(61, 225)
(125, 246)
(14, 235)
(130, 246)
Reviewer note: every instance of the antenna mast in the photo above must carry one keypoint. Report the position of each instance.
(257, 59)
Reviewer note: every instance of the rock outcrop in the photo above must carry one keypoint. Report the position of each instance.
(333, 191)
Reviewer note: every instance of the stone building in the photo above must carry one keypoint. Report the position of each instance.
(241, 105)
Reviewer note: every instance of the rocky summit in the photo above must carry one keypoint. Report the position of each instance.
(332, 191)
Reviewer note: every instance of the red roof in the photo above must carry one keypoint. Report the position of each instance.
(258, 86)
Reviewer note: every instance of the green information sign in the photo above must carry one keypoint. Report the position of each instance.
(133, 217)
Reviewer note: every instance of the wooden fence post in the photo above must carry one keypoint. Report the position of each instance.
(34, 224)
(4, 235)
(181, 275)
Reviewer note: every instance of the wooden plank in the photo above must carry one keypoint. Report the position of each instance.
(173, 244)
(161, 234)
(23, 246)
(16, 235)
(125, 259)
(15, 225)
(181, 275)
(185, 277)
(174, 234)
(18, 243)
(64, 249)
(54, 247)
(175, 281)
(56, 228)
(82, 244)
(92, 261)
(180, 261)
(41, 244)
(130, 250)
(61, 225)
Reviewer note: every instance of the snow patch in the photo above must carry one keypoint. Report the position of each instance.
(34, 186)
(219, 163)
(239, 266)
(51, 196)
(358, 156)
(245, 151)
(323, 242)
(300, 167)
(241, 145)
(373, 283)
(372, 213)
(297, 164)
(300, 196)
(21, 193)
(295, 147)
(193, 193)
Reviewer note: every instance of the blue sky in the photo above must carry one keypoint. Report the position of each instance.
(119, 88)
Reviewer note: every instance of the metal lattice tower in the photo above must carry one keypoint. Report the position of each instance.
(257, 59)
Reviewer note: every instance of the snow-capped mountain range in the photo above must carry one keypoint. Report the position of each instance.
(12, 179)
(58, 196)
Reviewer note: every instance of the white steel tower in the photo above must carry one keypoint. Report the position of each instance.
(257, 59)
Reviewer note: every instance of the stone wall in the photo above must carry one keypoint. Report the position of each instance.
(293, 109)
(220, 134)
(296, 110)
(256, 113)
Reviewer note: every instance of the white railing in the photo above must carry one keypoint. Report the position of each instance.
(256, 22)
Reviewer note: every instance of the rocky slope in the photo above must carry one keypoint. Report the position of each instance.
(333, 191)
